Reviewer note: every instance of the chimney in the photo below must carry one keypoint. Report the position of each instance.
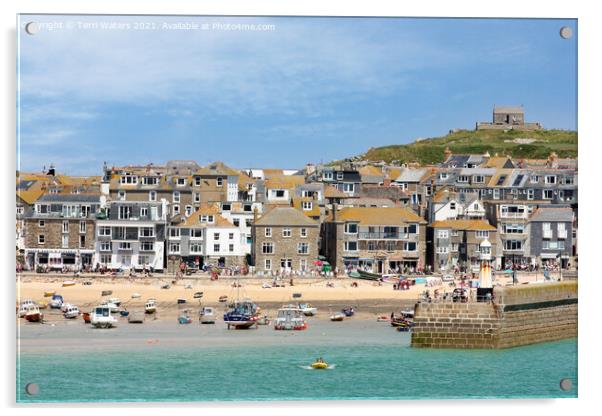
(334, 211)
(254, 215)
(447, 153)
(553, 160)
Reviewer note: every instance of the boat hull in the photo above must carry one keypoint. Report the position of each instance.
(319, 366)
(34, 317)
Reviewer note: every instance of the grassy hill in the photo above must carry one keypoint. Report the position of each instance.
(518, 144)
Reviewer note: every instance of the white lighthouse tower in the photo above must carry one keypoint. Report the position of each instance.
(485, 274)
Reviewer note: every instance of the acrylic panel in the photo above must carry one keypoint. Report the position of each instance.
(215, 208)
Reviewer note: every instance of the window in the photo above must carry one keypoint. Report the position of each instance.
(146, 232)
(65, 226)
(181, 181)
(303, 264)
(196, 233)
(196, 248)
(454, 247)
(340, 176)
(463, 179)
(550, 179)
(513, 229)
(41, 223)
(482, 234)
(307, 206)
(530, 194)
(220, 181)
(348, 188)
(231, 248)
(147, 246)
(452, 205)
(268, 232)
(351, 228)
(286, 263)
(231, 236)
(286, 232)
(152, 196)
(443, 176)
(303, 232)
(513, 245)
(302, 248)
(534, 179)
(105, 246)
(443, 234)
(496, 194)
(236, 222)
(268, 264)
(150, 181)
(390, 245)
(569, 180)
(478, 179)
(125, 245)
(144, 212)
(409, 246)
(174, 248)
(176, 209)
(226, 207)
(41, 239)
(412, 229)
(279, 193)
(215, 236)
(82, 226)
(20, 210)
(188, 210)
(174, 233)
(442, 250)
(104, 231)
(197, 181)
(327, 176)
(176, 196)
(548, 194)
(372, 245)
(455, 233)
(129, 179)
(124, 212)
(143, 260)
(247, 208)
(267, 248)
(197, 197)
(65, 241)
(350, 245)
(121, 195)
(216, 248)
(43, 209)
(105, 258)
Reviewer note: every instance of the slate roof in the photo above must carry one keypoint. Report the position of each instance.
(379, 216)
(411, 175)
(285, 216)
(84, 198)
(552, 215)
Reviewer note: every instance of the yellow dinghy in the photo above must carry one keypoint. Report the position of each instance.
(49, 294)
(319, 365)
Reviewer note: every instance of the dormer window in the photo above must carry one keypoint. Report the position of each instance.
(220, 181)
(181, 181)
(121, 195)
(463, 179)
(129, 179)
(443, 175)
(307, 206)
(478, 179)
(327, 176)
(340, 176)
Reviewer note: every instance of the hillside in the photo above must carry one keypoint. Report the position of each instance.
(518, 144)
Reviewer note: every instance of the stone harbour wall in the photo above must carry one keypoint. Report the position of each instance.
(518, 315)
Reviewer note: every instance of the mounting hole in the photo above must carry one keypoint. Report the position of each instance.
(566, 384)
(32, 389)
(566, 32)
(32, 28)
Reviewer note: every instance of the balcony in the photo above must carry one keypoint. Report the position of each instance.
(382, 236)
(514, 215)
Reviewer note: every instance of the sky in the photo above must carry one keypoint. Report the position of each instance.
(274, 92)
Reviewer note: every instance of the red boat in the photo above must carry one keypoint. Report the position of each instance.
(34, 315)
(86, 317)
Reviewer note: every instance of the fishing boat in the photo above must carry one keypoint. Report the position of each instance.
(383, 318)
(136, 317)
(106, 293)
(307, 309)
(24, 307)
(349, 311)
(86, 317)
(135, 295)
(42, 304)
(49, 294)
(223, 298)
(114, 308)
(207, 315)
(124, 313)
(101, 317)
(115, 301)
(241, 315)
(56, 302)
(198, 295)
(319, 364)
(150, 306)
(68, 283)
(337, 317)
(65, 306)
(289, 318)
(181, 301)
(360, 274)
(264, 320)
(71, 312)
(33, 314)
(184, 319)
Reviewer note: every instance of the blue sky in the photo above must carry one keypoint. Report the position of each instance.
(310, 90)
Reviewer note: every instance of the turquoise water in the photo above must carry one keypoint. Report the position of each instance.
(280, 372)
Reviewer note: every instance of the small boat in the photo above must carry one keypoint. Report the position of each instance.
(150, 306)
(241, 315)
(87, 282)
(71, 312)
(337, 317)
(24, 307)
(114, 308)
(404, 328)
(223, 298)
(125, 314)
(383, 318)
(289, 318)
(319, 365)
(106, 293)
(68, 283)
(207, 315)
(263, 320)
(307, 309)
(56, 302)
(165, 286)
(184, 319)
(296, 295)
(115, 301)
(33, 314)
(348, 311)
(198, 295)
(49, 294)
(42, 304)
(136, 317)
(86, 317)
(65, 306)
(101, 317)
(181, 301)
(360, 274)
(135, 295)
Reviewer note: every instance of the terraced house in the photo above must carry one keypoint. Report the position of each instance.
(60, 231)
(381, 240)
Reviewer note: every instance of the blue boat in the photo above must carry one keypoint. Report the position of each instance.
(241, 315)
(56, 302)
(348, 311)
(124, 313)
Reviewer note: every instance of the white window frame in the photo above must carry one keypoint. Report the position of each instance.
(307, 205)
(548, 191)
(303, 248)
(65, 227)
(41, 239)
(347, 247)
(268, 231)
(303, 232)
(152, 196)
(102, 229)
(105, 246)
(267, 247)
(347, 224)
(442, 234)
(172, 246)
(176, 197)
(267, 263)
(287, 232)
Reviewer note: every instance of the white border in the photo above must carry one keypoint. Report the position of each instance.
(589, 244)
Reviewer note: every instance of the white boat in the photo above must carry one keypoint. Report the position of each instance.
(65, 306)
(207, 315)
(33, 314)
(101, 317)
(115, 301)
(290, 317)
(114, 308)
(68, 283)
(24, 307)
(337, 317)
(150, 306)
(71, 312)
(56, 302)
(307, 309)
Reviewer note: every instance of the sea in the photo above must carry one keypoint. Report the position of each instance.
(166, 362)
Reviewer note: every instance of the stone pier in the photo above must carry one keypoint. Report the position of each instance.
(519, 315)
